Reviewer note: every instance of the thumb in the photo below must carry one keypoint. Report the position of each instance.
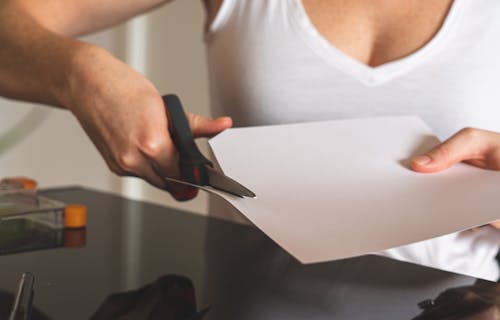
(496, 224)
(464, 145)
(207, 127)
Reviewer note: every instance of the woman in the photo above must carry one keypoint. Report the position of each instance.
(273, 62)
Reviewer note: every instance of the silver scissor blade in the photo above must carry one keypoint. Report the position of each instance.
(219, 181)
(206, 188)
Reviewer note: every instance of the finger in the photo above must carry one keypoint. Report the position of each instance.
(467, 144)
(163, 159)
(143, 169)
(179, 191)
(133, 163)
(144, 172)
(496, 224)
(162, 155)
(207, 127)
(157, 146)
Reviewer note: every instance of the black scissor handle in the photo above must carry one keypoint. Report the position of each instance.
(191, 161)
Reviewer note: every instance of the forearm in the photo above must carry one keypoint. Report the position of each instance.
(37, 54)
(33, 60)
(79, 17)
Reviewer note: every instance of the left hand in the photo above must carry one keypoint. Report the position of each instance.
(476, 147)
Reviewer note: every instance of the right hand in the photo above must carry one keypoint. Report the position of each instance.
(124, 116)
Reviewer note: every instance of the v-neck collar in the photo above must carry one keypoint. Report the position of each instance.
(370, 76)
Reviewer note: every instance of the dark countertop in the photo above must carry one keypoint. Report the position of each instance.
(235, 269)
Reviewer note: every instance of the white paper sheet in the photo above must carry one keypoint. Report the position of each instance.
(338, 189)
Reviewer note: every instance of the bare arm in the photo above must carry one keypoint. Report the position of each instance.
(120, 110)
(37, 53)
(77, 17)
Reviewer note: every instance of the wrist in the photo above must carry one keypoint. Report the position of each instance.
(78, 72)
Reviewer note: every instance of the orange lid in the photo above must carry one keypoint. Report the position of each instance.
(75, 216)
(26, 183)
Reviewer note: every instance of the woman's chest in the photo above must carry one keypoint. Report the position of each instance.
(375, 32)
(282, 70)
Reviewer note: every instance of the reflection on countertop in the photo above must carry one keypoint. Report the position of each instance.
(236, 270)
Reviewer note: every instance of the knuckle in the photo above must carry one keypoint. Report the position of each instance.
(153, 147)
(469, 132)
(443, 151)
(195, 119)
(127, 162)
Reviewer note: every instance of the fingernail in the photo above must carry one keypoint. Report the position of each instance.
(422, 160)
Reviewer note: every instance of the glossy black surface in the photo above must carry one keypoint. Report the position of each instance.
(234, 269)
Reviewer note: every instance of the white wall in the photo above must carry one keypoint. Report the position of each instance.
(49, 145)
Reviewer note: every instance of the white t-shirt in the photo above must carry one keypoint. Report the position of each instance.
(269, 65)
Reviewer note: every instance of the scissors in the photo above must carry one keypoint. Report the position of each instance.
(196, 170)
